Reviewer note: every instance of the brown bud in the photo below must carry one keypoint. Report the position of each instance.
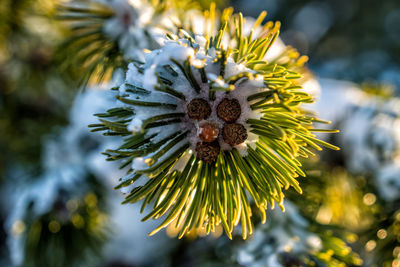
(207, 152)
(208, 132)
(229, 110)
(234, 134)
(198, 109)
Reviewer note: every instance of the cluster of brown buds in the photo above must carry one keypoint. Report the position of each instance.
(232, 133)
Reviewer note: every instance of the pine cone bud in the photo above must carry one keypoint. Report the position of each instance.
(234, 134)
(229, 110)
(208, 132)
(207, 152)
(198, 109)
